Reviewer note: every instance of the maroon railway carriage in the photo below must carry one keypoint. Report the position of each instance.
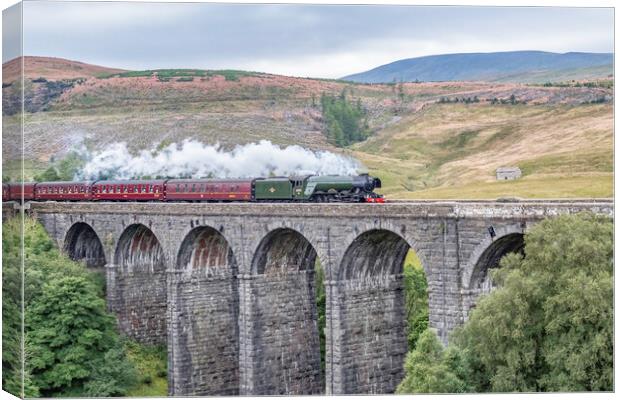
(129, 190)
(209, 190)
(63, 191)
(16, 192)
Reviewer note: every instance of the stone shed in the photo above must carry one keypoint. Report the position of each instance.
(507, 173)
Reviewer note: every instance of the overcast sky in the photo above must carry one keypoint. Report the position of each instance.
(299, 40)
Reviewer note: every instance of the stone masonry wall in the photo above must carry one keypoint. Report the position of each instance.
(282, 333)
(204, 328)
(373, 333)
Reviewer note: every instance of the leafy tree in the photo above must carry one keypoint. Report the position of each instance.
(75, 347)
(71, 345)
(416, 302)
(431, 369)
(547, 327)
(12, 356)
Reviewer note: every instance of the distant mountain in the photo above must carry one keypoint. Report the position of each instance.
(511, 66)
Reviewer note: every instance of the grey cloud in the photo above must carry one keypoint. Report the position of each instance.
(157, 35)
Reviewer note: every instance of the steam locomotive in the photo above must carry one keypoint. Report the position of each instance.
(310, 188)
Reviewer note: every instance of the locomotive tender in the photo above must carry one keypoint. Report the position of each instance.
(310, 188)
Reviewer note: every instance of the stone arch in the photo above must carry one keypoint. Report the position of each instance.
(140, 285)
(204, 322)
(374, 253)
(387, 226)
(315, 237)
(371, 336)
(284, 321)
(139, 250)
(83, 244)
(281, 250)
(206, 251)
(480, 280)
(476, 266)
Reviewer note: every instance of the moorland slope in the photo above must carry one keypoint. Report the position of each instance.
(428, 140)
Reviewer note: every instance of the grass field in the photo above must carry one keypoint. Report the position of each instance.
(538, 187)
(452, 151)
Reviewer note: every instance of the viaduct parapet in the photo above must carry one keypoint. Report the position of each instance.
(230, 288)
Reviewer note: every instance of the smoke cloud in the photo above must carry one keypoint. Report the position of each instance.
(193, 159)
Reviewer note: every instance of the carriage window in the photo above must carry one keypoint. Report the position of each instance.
(193, 187)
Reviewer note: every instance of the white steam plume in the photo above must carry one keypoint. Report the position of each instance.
(193, 159)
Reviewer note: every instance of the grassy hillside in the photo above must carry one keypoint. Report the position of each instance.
(452, 151)
(441, 139)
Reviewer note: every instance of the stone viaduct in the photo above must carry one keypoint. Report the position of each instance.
(230, 288)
